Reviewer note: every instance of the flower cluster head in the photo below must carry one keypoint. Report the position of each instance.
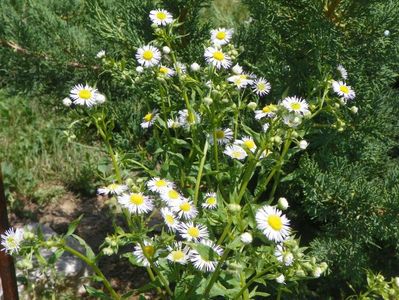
(11, 240)
(84, 95)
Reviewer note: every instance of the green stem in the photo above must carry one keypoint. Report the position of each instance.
(224, 234)
(199, 176)
(95, 269)
(279, 292)
(252, 280)
(162, 278)
(247, 175)
(216, 273)
(152, 278)
(215, 150)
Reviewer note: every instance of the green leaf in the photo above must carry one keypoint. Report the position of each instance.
(73, 225)
(89, 252)
(96, 293)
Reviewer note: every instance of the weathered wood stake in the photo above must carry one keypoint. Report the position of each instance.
(7, 270)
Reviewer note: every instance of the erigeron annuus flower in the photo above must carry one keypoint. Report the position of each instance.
(149, 119)
(236, 152)
(221, 36)
(283, 255)
(113, 189)
(178, 254)
(240, 81)
(166, 71)
(211, 201)
(205, 255)
(187, 119)
(161, 17)
(141, 253)
(261, 87)
(296, 105)
(136, 203)
(11, 240)
(342, 71)
(268, 111)
(247, 142)
(148, 56)
(100, 54)
(173, 123)
(223, 136)
(159, 185)
(273, 223)
(343, 90)
(185, 209)
(84, 95)
(170, 218)
(217, 58)
(191, 232)
(170, 196)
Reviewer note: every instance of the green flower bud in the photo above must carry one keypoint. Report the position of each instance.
(354, 109)
(234, 208)
(108, 251)
(252, 105)
(323, 266)
(208, 100)
(300, 273)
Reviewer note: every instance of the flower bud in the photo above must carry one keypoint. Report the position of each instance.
(300, 273)
(303, 144)
(237, 69)
(166, 49)
(246, 238)
(234, 208)
(354, 109)
(288, 259)
(387, 32)
(342, 101)
(29, 235)
(396, 280)
(208, 100)
(67, 102)
(281, 279)
(195, 67)
(139, 69)
(277, 139)
(100, 98)
(225, 100)
(323, 266)
(317, 272)
(282, 203)
(100, 54)
(129, 181)
(108, 251)
(252, 105)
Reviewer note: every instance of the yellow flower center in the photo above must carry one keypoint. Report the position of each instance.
(148, 55)
(221, 35)
(275, 222)
(185, 206)
(193, 232)
(177, 255)
(163, 70)
(170, 219)
(173, 194)
(149, 250)
(11, 242)
(261, 86)
(136, 199)
(220, 134)
(161, 15)
(85, 94)
(344, 89)
(266, 109)
(148, 117)
(218, 55)
(296, 106)
(211, 201)
(160, 183)
(112, 186)
(236, 154)
(250, 144)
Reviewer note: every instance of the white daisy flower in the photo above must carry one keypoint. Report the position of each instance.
(84, 95)
(296, 105)
(210, 201)
(170, 196)
(149, 119)
(343, 90)
(247, 142)
(11, 240)
(342, 71)
(178, 254)
(136, 203)
(206, 258)
(100, 54)
(261, 87)
(273, 223)
(268, 111)
(283, 255)
(235, 152)
(221, 36)
(240, 81)
(292, 120)
(170, 218)
(173, 123)
(191, 232)
(223, 136)
(217, 58)
(166, 71)
(161, 17)
(148, 56)
(149, 251)
(113, 189)
(237, 69)
(158, 185)
(187, 120)
(185, 209)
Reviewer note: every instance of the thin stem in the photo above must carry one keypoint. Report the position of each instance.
(215, 149)
(162, 278)
(216, 273)
(152, 278)
(252, 280)
(199, 176)
(224, 234)
(95, 269)
(247, 175)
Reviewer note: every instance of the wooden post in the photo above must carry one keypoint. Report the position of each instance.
(7, 270)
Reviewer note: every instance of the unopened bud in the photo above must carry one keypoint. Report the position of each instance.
(300, 273)
(246, 238)
(303, 144)
(282, 203)
(139, 69)
(100, 98)
(208, 100)
(195, 67)
(280, 279)
(234, 207)
(166, 50)
(317, 272)
(354, 109)
(108, 251)
(67, 102)
(252, 105)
